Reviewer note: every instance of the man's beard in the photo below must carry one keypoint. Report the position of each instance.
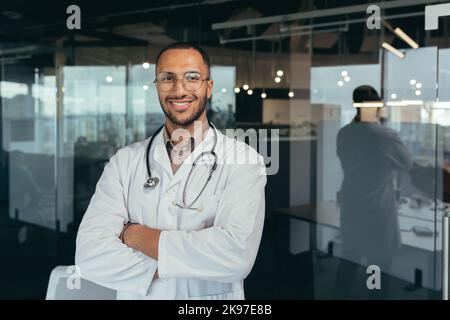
(202, 106)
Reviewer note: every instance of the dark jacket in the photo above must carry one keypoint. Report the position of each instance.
(369, 154)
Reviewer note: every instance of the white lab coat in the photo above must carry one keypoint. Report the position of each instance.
(202, 254)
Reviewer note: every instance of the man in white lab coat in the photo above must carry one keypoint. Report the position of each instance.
(170, 251)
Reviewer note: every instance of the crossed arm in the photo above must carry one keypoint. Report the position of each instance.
(143, 239)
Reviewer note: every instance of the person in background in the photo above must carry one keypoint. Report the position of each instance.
(370, 154)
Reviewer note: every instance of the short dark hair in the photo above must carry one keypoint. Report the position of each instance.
(365, 93)
(185, 46)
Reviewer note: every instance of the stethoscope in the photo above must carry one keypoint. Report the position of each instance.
(152, 182)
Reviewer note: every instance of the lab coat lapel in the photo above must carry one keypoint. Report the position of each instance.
(160, 157)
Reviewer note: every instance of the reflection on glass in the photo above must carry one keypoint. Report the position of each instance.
(144, 114)
(28, 217)
(29, 137)
(223, 102)
(94, 109)
(369, 153)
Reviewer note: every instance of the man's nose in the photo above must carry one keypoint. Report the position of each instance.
(178, 88)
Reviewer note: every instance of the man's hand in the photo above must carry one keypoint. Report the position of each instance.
(143, 239)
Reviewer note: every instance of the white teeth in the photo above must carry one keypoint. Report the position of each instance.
(180, 103)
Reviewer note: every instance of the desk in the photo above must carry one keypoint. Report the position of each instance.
(418, 252)
(328, 214)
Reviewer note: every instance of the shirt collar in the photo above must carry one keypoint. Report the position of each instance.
(184, 147)
(194, 144)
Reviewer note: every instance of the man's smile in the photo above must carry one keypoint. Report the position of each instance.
(180, 105)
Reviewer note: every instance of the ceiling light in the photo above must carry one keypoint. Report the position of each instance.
(237, 90)
(146, 65)
(263, 95)
(145, 87)
(368, 104)
(404, 103)
(291, 94)
(280, 73)
(250, 92)
(245, 87)
(347, 79)
(394, 96)
(399, 32)
(413, 102)
(109, 79)
(277, 79)
(390, 48)
(340, 83)
(344, 73)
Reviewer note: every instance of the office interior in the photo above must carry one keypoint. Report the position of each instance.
(71, 98)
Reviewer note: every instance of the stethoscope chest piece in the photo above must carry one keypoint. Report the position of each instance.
(151, 183)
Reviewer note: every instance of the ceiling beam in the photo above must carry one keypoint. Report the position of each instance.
(111, 37)
(100, 43)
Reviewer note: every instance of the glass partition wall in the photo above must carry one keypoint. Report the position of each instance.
(377, 217)
(355, 193)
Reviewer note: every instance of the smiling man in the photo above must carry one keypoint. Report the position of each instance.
(162, 223)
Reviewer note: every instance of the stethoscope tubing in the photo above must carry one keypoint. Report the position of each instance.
(150, 180)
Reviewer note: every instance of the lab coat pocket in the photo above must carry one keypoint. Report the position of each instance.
(203, 217)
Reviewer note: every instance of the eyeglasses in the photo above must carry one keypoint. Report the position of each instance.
(191, 81)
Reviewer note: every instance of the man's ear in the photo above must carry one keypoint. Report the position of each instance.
(209, 88)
